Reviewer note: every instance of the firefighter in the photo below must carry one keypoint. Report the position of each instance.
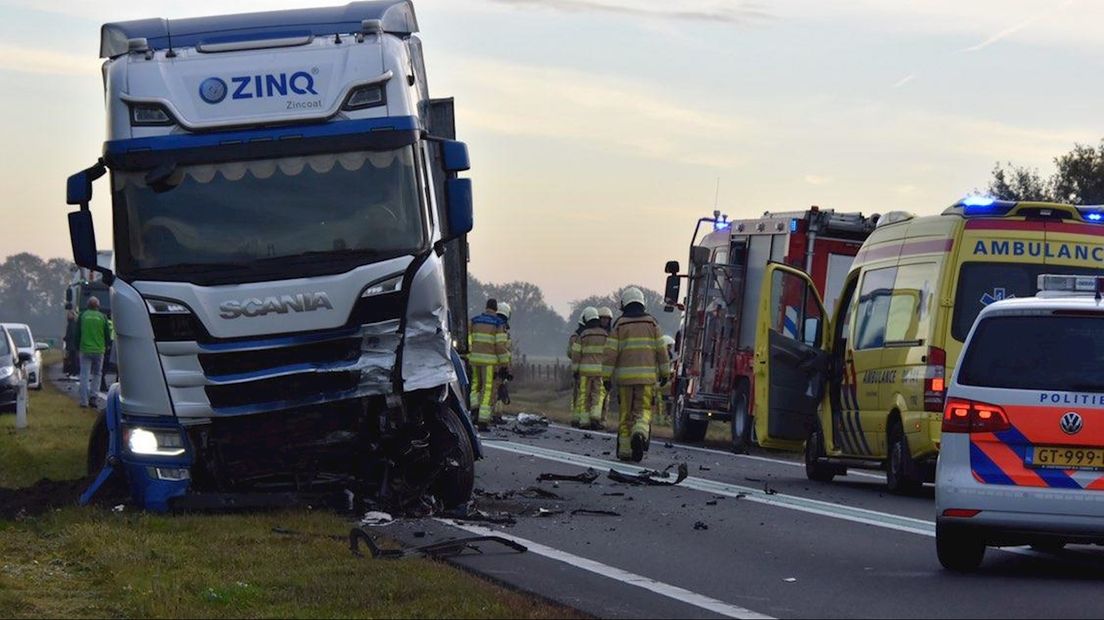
(605, 314)
(573, 358)
(636, 358)
(503, 371)
(662, 406)
(592, 392)
(487, 338)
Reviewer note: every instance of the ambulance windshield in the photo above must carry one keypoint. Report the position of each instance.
(980, 284)
(1036, 353)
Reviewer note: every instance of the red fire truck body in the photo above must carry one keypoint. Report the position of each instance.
(715, 348)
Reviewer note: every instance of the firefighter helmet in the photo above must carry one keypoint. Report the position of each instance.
(590, 313)
(631, 295)
(504, 310)
(605, 312)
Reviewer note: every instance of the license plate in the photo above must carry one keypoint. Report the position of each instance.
(1066, 458)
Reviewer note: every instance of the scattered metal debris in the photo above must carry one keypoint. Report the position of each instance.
(545, 512)
(768, 490)
(711, 502)
(703, 468)
(539, 493)
(468, 512)
(446, 548)
(700, 526)
(594, 513)
(587, 477)
(650, 477)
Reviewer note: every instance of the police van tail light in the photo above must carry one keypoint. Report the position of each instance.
(935, 380)
(967, 416)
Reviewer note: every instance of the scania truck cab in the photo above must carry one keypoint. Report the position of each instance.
(290, 261)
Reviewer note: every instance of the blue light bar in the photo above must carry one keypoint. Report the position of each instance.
(978, 201)
(793, 225)
(1094, 214)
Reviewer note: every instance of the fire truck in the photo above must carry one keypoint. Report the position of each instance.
(714, 378)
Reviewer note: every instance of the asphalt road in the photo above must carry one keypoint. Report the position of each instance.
(743, 536)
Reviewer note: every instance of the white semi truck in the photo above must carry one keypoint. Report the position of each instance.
(290, 262)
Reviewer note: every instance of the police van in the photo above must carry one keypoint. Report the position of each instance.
(866, 387)
(1023, 429)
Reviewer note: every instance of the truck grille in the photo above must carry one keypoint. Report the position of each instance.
(242, 362)
(280, 389)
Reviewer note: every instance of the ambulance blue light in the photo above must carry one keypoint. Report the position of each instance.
(793, 225)
(1094, 217)
(978, 201)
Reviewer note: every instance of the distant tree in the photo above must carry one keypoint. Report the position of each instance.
(32, 291)
(1078, 179)
(535, 328)
(1019, 183)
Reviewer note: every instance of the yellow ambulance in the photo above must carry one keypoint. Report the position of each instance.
(865, 387)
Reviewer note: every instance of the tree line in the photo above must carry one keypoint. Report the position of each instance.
(32, 291)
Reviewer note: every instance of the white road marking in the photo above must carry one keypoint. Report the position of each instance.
(658, 587)
(764, 459)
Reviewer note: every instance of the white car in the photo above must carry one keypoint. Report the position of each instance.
(25, 343)
(1022, 456)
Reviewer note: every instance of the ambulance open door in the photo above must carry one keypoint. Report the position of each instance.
(791, 365)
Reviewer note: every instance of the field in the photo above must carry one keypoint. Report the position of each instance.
(57, 559)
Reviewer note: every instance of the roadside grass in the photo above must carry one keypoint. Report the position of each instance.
(93, 562)
(53, 445)
(556, 405)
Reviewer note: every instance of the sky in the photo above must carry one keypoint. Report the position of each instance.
(600, 130)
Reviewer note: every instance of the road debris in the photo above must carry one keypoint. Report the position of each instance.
(468, 512)
(545, 512)
(587, 477)
(768, 490)
(376, 519)
(594, 513)
(790, 580)
(448, 548)
(698, 525)
(650, 477)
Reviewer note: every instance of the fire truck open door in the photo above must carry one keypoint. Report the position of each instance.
(791, 363)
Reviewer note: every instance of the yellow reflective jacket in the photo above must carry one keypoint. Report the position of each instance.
(487, 341)
(635, 353)
(592, 349)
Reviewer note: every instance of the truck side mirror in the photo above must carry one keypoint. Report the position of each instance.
(671, 291)
(454, 155)
(460, 216)
(82, 235)
(78, 189)
(672, 267)
(24, 357)
(699, 255)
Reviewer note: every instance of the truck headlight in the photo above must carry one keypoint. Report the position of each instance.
(150, 115)
(154, 442)
(368, 96)
(390, 284)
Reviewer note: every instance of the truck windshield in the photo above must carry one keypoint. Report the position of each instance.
(980, 284)
(266, 218)
(1036, 353)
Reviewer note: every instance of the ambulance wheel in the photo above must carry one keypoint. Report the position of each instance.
(454, 485)
(741, 419)
(815, 468)
(685, 429)
(900, 473)
(959, 550)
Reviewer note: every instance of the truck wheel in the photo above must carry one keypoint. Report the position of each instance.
(454, 486)
(958, 550)
(816, 469)
(741, 420)
(900, 476)
(685, 429)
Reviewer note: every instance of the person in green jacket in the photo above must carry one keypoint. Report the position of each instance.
(93, 333)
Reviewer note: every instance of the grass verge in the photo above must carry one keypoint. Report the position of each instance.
(92, 562)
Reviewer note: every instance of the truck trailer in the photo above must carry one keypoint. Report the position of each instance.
(290, 262)
(714, 363)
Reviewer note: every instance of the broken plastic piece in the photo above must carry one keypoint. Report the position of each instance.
(649, 477)
(376, 519)
(587, 477)
(440, 549)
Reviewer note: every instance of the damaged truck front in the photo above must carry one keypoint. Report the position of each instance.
(289, 232)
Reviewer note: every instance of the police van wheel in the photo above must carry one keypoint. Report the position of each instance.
(741, 420)
(900, 473)
(454, 486)
(816, 469)
(686, 429)
(959, 550)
